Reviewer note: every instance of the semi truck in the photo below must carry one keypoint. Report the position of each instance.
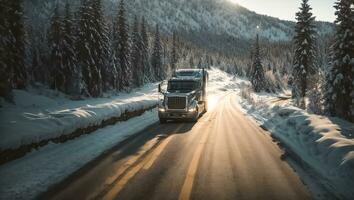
(185, 97)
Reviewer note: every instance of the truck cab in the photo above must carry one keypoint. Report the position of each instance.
(185, 97)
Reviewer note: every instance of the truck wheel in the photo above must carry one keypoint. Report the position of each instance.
(195, 119)
(205, 106)
(163, 121)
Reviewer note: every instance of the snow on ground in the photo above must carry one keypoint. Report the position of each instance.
(325, 145)
(27, 177)
(220, 81)
(37, 117)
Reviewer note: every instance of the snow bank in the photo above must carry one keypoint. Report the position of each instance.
(29, 176)
(220, 82)
(326, 145)
(35, 117)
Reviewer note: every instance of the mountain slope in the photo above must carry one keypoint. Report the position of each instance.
(217, 25)
(212, 24)
(219, 17)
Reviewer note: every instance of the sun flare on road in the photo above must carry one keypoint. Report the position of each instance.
(212, 102)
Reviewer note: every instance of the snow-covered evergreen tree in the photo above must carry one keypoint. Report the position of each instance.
(12, 47)
(122, 48)
(340, 97)
(328, 106)
(5, 64)
(304, 56)
(191, 62)
(174, 56)
(64, 72)
(136, 55)
(145, 63)
(112, 61)
(102, 49)
(200, 63)
(72, 70)
(257, 77)
(156, 60)
(56, 44)
(250, 70)
(315, 95)
(91, 45)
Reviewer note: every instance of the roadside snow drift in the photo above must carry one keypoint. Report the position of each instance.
(27, 177)
(325, 145)
(35, 118)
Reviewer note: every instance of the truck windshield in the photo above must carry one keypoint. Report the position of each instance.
(182, 86)
(196, 74)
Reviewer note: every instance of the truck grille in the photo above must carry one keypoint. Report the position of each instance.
(176, 102)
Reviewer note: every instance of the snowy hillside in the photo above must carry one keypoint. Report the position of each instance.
(219, 17)
(212, 24)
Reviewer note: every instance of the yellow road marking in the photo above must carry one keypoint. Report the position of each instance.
(131, 173)
(131, 161)
(188, 182)
(157, 153)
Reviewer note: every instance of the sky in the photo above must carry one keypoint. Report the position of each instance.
(286, 9)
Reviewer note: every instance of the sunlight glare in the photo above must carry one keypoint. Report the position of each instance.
(212, 102)
(233, 1)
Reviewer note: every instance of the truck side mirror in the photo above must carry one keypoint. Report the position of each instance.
(159, 88)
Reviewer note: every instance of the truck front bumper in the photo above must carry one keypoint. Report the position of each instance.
(176, 114)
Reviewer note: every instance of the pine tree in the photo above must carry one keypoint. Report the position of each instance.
(315, 95)
(5, 63)
(114, 81)
(72, 70)
(12, 47)
(156, 60)
(174, 56)
(327, 95)
(55, 43)
(257, 77)
(305, 52)
(145, 52)
(90, 45)
(121, 47)
(102, 50)
(136, 55)
(191, 62)
(340, 97)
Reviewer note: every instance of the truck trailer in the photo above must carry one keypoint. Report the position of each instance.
(186, 96)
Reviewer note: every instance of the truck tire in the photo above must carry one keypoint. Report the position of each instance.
(163, 121)
(195, 119)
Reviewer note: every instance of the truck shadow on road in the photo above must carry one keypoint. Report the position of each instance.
(161, 131)
(131, 146)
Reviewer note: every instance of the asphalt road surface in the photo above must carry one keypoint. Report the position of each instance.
(224, 155)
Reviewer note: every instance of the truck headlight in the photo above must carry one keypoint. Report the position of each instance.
(192, 109)
(162, 109)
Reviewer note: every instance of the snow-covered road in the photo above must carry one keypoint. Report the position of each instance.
(224, 155)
